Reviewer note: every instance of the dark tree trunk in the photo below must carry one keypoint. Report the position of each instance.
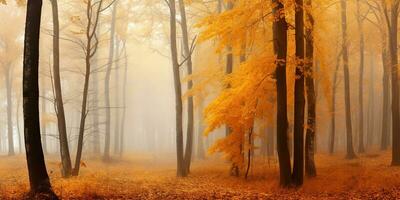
(10, 132)
(38, 177)
(178, 91)
(361, 148)
(62, 128)
(349, 132)
(299, 100)
(280, 50)
(395, 87)
(311, 98)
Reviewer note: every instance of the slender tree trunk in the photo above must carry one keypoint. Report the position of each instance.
(386, 98)
(178, 91)
(38, 177)
(311, 99)
(92, 24)
(189, 64)
(280, 50)
(349, 132)
(10, 135)
(121, 145)
(117, 115)
(106, 156)
(371, 113)
(62, 129)
(361, 148)
(333, 108)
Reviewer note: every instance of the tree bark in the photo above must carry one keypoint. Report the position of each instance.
(62, 128)
(299, 100)
(395, 87)
(349, 132)
(361, 148)
(280, 50)
(333, 108)
(386, 98)
(311, 97)
(117, 114)
(189, 64)
(121, 145)
(106, 156)
(178, 91)
(38, 177)
(91, 47)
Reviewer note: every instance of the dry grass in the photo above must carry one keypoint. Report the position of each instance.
(367, 177)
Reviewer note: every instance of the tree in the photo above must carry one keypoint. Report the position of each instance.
(280, 50)
(38, 177)
(93, 11)
(106, 155)
(299, 100)
(178, 91)
(311, 97)
(392, 24)
(62, 128)
(360, 83)
(188, 57)
(349, 132)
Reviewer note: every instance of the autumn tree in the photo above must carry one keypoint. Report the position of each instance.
(345, 55)
(38, 177)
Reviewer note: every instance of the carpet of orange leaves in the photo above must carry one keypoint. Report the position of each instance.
(369, 176)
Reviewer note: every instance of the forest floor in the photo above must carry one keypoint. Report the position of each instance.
(370, 176)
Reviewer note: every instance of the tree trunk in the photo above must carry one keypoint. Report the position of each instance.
(311, 98)
(178, 92)
(299, 100)
(10, 135)
(121, 145)
(349, 132)
(361, 148)
(386, 98)
(333, 107)
(189, 64)
(395, 87)
(62, 128)
(117, 115)
(91, 48)
(38, 177)
(280, 50)
(106, 156)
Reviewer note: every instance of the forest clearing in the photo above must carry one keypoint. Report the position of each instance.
(148, 177)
